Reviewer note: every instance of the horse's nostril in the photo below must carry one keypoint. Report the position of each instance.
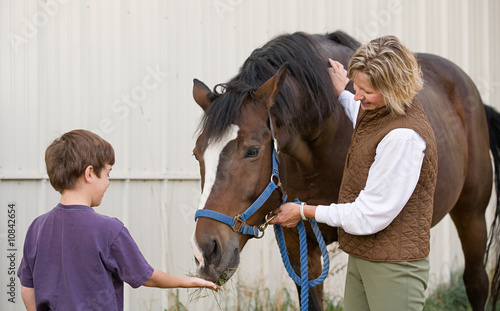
(213, 254)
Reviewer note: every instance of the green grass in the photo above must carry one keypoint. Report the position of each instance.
(447, 296)
(177, 306)
(333, 305)
(451, 296)
(263, 300)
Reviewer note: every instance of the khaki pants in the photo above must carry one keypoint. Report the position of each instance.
(385, 286)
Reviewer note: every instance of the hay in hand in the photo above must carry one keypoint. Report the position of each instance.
(227, 288)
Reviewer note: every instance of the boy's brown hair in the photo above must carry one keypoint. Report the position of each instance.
(69, 155)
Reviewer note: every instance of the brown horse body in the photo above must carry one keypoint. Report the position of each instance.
(313, 135)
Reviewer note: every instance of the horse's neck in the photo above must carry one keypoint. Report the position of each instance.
(314, 168)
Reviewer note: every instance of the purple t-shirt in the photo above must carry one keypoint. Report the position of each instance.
(77, 259)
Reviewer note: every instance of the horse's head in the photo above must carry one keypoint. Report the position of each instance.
(234, 151)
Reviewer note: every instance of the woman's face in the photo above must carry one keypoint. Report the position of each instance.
(370, 99)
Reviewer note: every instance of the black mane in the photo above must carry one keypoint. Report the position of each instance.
(344, 39)
(310, 83)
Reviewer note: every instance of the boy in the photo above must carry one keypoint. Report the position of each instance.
(75, 258)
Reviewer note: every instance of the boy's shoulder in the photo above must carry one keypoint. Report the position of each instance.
(79, 215)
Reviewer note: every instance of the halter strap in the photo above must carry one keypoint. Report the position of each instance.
(238, 223)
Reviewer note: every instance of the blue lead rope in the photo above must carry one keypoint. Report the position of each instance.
(303, 281)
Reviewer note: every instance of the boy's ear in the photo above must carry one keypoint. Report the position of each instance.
(87, 174)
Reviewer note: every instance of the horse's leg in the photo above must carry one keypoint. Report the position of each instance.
(314, 258)
(471, 226)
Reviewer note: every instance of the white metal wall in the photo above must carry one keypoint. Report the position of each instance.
(124, 69)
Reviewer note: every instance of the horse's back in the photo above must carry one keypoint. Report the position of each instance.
(456, 113)
(338, 45)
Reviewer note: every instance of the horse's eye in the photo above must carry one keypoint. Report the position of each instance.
(252, 152)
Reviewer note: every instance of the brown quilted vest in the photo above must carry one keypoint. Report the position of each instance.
(407, 238)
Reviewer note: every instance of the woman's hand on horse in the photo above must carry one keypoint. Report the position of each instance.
(287, 215)
(338, 75)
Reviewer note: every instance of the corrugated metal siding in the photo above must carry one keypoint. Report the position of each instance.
(125, 70)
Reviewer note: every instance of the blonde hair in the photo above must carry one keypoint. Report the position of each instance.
(392, 69)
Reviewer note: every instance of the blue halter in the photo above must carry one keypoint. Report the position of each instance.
(238, 223)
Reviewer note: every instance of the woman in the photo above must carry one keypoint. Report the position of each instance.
(384, 210)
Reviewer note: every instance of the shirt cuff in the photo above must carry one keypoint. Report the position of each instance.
(327, 214)
(27, 283)
(144, 278)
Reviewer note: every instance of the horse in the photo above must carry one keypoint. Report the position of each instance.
(282, 104)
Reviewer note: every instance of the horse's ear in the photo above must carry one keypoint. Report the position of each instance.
(202, 94)
(271, 87)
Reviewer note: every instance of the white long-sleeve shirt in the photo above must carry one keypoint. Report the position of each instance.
(392, 178)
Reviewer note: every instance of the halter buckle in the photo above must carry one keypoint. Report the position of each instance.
(237, 224)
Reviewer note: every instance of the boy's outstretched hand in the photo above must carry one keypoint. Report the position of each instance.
(198, 282)
(164, 280)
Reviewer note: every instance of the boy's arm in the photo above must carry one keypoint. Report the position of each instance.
(164, 280)
(28, 295)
